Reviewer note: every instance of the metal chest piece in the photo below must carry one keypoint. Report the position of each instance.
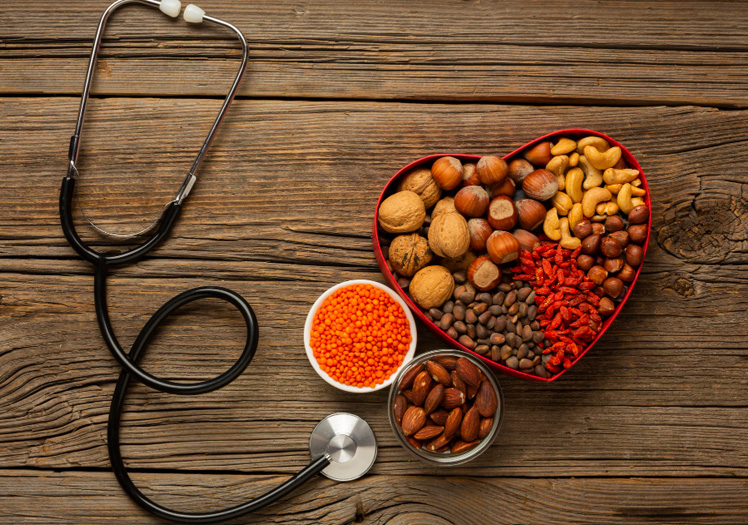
(350, 443)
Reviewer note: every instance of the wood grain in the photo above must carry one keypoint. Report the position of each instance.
(92, 497)
(540, 52)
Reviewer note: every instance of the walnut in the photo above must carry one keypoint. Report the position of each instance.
(402, 212)
(431, 286)
(421, 182)
(449, 235)
(447, 204)
(460, 263)
(409, 253)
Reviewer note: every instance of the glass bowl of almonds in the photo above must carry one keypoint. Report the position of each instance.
(445, 407)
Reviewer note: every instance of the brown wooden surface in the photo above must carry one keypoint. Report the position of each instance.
(651, 427)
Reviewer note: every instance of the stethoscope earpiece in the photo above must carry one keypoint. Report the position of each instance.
(192, 13)
(171, 8)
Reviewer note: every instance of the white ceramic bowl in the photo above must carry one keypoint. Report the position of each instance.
(308, 330)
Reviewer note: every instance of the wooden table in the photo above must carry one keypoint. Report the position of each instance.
(651, 426)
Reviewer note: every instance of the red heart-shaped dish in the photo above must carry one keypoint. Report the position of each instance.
(555, 341)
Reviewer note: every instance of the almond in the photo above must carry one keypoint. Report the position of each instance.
(409, 396)
(470, 425)
(408, 377)
(462, 446)
(438, 373)
(413, 419)
(401, 404)
(467, 371)
(453, 422)
(414, 442)
(421, 387)
(447, 361)
(486, 424)
(442, 450)
(437, 443)
(428, 432)
(485, 401)
(453, 398)
(472, 390)
(439, 416)
(458, 383)
(434, 399)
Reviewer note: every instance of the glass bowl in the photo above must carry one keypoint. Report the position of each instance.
(446, 458)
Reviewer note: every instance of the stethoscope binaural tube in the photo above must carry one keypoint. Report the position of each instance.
(129, 361)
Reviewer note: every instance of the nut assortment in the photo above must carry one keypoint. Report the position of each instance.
(445, 405)
(464, 227)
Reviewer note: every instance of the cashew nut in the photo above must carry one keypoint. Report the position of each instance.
(598, 218)
(562, 202)
(624, 199)
(614, 188)
(614, 176)
(637, 192)
(606, 208)
(563, 147)
(557, 166)
(598, 143)
(567, 240)
(573, 160)
(602, 161)
(636, 182)
(551, 226)
(574, 179)
(575, 215)
(637, 201)
(594, 196)
(593, 176)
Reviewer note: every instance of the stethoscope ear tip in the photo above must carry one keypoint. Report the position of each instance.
(171, 8)
(192, 13)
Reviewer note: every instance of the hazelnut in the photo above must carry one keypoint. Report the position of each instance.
(507, 188)
(613, 223)
(492, 169)
(421, 182)
(597, 274)
(610, 247)
(402, 212)
(502, 247)
(613, 286)
(585, 262)
(627, 273)
(519, 169)
(531, 213)
(621, 236)
(634, 255)
(472, 201)
(637, 233)
(483, 274)
(409, 253)
(527, 240)
(613, 265)
(539, 154)
(598, 228)
(449, 235)
(445, 205)
(583, 229)
(479, 231)
(540, 185)
(600, 260)
(638, 214)
(606, 307)
(431, 286)
(470, 175)
(447, 172)
(599, 291)
(591, 244)
(502, 214)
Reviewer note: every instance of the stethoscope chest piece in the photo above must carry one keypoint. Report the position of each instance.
(349, 443)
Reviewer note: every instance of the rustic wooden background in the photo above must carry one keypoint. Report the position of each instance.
(650, 427)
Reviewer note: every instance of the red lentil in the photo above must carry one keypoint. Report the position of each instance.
(360, 335)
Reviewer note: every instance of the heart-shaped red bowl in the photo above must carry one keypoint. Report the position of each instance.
(391, 186)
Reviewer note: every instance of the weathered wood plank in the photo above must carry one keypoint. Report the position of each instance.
(95, 497)
(255, 186)
(541, 52)
(667, 401)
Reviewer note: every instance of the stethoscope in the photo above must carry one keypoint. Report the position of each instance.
(342, 446)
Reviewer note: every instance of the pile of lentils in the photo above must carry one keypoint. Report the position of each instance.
(500, 326)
